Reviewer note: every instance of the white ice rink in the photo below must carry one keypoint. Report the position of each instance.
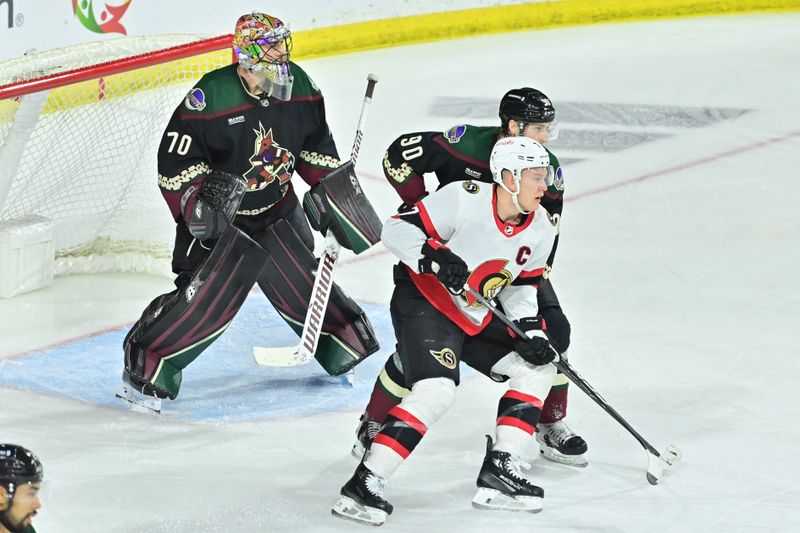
(678, 268)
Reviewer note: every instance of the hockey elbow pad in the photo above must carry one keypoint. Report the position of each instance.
(210, 207)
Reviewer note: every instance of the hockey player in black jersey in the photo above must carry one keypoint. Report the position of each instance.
(225, 165)
(495, 239)
(462, 153)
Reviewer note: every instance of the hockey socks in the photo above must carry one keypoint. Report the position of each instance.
(517, 416)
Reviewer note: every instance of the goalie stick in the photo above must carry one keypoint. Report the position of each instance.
(656, 461)
(323, 281)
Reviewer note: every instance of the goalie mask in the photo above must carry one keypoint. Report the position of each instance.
(515, 154)
(263, 44)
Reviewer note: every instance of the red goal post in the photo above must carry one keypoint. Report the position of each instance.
(79, 131)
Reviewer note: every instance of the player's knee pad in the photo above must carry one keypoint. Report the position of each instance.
(430, 398)
(523, 376)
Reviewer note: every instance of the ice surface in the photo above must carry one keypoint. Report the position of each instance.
(678, 268)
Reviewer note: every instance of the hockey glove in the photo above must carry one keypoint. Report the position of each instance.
(210, 207)
(449, 269)
(534, 348)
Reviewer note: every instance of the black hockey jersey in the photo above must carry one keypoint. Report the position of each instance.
(221, 126)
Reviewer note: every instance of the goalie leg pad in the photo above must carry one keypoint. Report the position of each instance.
(338, 204)
(287, 280)
(176, 327)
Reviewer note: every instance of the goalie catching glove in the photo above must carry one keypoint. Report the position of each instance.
(210, 206)
(450, 269)
(534, 347)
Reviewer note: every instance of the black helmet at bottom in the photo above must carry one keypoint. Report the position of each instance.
(18, 466)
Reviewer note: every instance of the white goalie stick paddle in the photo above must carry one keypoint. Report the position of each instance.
(657, 461)
(323, 281)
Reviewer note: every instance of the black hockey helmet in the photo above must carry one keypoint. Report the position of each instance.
(526, 105)
(18, 466)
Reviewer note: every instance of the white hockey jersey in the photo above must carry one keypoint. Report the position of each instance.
(506, 261)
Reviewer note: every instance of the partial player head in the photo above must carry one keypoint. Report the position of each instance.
(21, 475)
(526, 111)
(263, 44)
(521, 166)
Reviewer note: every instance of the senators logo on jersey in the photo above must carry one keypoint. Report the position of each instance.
(488, 280)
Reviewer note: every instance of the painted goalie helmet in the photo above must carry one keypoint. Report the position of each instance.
(263, 44)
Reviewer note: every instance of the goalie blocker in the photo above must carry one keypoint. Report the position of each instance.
(337, 203)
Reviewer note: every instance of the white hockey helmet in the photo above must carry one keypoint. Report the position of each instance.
(516, 154)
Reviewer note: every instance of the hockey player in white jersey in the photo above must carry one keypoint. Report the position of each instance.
(495, 238)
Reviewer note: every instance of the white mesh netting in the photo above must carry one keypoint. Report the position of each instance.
(84, 154)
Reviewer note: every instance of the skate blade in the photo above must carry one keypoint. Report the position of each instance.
(139, 402)
(555, 456)
(494, 500)
(349, 509)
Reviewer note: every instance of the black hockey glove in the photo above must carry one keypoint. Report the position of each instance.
(449, 269)
(534, 348)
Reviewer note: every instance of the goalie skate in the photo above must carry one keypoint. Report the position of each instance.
(558, 443)
(138, 401)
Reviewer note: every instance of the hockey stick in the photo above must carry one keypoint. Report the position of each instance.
(656, 462)
(323, 281)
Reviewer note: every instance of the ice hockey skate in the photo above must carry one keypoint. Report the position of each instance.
(362, 499)
(365, 434)
(502, 486)
(139, 396)
(558, 443)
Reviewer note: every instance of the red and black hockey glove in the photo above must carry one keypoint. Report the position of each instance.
(449, 269)
(534, 348)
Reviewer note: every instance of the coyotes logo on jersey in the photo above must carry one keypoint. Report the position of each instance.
(269, 162)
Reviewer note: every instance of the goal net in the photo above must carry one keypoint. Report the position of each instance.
(79, 132)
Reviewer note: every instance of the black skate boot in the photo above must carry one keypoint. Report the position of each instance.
(140, 394)
(560, 444)
(501, 484)
(365, 434)
(362, 498)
